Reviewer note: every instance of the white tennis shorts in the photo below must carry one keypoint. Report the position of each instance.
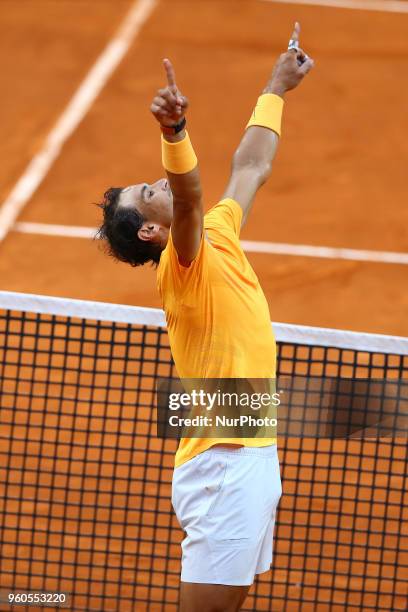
(225, 499)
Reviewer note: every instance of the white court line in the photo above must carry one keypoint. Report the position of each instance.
(73, 114)
(48, 229)
(250, 246)
(304, 250)
(388, 6)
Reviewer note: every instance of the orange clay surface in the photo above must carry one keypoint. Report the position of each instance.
(339, 178)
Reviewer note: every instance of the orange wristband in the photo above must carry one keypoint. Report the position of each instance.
(268, 113)
(178, 157)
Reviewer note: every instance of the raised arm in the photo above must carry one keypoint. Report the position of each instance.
(169, 108)
(252, 161)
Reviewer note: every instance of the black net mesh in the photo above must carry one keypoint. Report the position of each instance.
(85, 482)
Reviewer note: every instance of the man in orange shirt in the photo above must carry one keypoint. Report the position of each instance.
(225, 491)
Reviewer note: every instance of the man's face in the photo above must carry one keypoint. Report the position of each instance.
(154, 202)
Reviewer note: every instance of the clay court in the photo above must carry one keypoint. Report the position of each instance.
(339, 179)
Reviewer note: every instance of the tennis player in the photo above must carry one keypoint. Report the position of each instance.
(225, 491)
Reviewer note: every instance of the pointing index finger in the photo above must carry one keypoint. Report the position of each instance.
(296, 32)
(294, 41)
(171, 76)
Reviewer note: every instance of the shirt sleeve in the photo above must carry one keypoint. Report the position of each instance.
(227, 213)
(177, 279)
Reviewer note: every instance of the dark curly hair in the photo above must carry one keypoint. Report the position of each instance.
(119, 230)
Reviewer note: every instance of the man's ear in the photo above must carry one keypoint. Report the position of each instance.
(148, 231)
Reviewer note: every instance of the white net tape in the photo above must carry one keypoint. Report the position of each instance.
(102, 311)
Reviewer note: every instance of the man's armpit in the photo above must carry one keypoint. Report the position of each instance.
(226, 213)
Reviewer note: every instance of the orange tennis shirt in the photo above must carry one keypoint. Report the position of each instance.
(217, 315)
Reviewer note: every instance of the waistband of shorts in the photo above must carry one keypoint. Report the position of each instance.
(260, 451)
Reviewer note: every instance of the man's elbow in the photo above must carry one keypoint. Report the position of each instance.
(264, 173)
(259, 170)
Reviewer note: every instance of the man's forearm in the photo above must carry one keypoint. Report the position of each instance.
(185, 187)
(252, 161)
(169, 107)
(258, 146)
(256, 151)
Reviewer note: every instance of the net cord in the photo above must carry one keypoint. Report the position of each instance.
(135, 315)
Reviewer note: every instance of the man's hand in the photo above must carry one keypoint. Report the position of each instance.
(169, 106)
(290, 68)
(252, 161)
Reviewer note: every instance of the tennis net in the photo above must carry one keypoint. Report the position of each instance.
(85, 481)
